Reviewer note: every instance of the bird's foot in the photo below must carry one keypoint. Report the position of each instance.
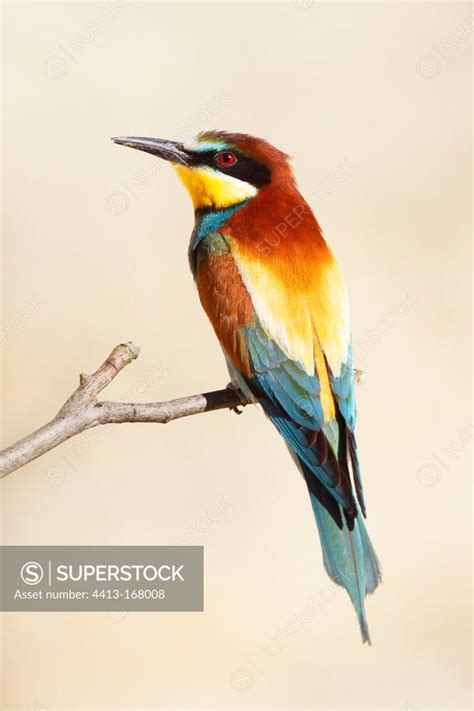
(237, 391)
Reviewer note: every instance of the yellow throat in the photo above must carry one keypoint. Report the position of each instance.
(210, 188)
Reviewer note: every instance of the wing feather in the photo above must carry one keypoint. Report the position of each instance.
(291, 399)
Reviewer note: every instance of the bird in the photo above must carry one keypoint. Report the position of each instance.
(277, 300)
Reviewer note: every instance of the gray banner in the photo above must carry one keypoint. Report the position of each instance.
(101, 578)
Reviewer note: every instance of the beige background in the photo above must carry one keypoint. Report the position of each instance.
(94, 247)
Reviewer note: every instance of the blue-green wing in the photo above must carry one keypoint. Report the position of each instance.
(291, 399)
(343, 389)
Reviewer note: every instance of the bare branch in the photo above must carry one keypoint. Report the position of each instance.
(82, 410)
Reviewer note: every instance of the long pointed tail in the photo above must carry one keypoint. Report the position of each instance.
(349, 557)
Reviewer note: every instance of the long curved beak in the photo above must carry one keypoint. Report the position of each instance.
(169, 150)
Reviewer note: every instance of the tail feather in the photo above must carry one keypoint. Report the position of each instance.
(348, 554)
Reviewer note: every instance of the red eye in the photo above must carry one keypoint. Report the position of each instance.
(226, 158)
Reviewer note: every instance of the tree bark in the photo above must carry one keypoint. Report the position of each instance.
(82, 410)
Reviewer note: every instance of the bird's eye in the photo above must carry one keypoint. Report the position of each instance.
(225, 159)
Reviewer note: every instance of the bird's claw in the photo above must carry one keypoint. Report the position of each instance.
(236, 409)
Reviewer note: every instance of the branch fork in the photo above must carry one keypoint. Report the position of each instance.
(82, 410)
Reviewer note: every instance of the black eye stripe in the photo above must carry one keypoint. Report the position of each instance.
(245, 168)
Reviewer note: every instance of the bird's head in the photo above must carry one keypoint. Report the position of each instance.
(220, 169)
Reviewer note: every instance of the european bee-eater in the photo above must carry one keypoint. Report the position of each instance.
(277, 300)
